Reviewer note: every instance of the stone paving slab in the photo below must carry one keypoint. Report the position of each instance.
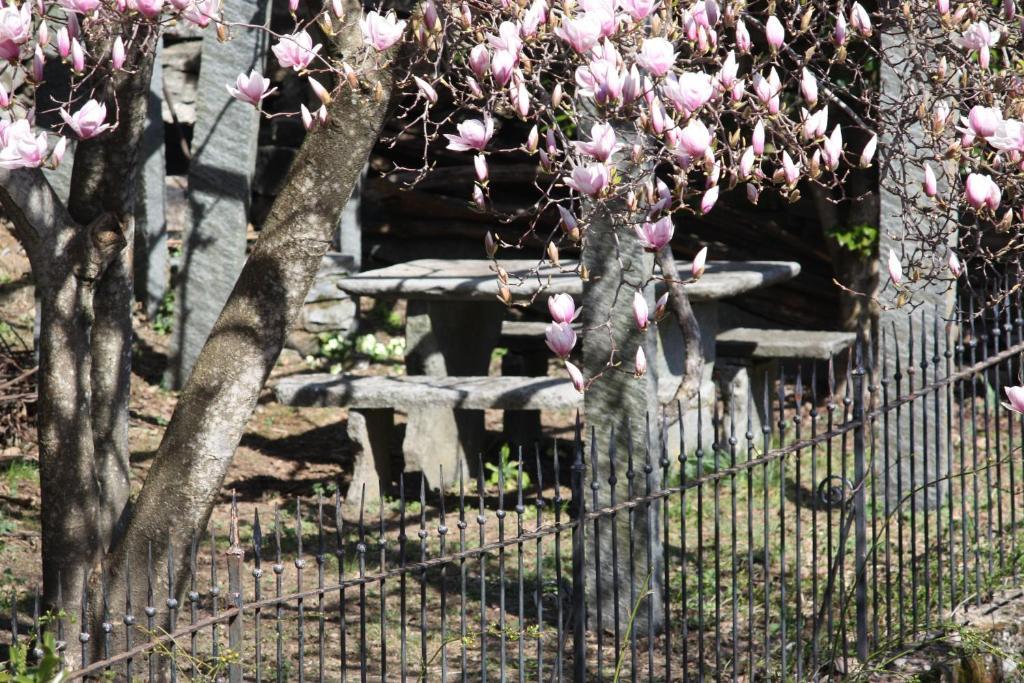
(758, 343)
(403, 393)
(474, 279)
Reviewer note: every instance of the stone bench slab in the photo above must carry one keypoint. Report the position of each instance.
(743, 342)
(475, 279)
(403, 393)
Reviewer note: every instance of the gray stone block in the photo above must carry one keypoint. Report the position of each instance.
(220, 176)
(152, 267)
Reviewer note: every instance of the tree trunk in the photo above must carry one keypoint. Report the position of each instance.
(221, 393)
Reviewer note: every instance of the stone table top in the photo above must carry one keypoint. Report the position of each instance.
(475, 279)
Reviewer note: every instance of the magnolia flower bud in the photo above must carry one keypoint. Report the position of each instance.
(5, 97)
(869, 152)
(117, 54)
(553, 254)
(930, 184)
(490, 246)
(640, 366)
(640, 311)
(58, 151)
(532, 140)
(38, 61)
(319, 90)
(480, 165)
(575, 376)
(478, 197)
(556, 96)
(895, 268)
(661, 307)
(955, 267)
(307, 117)
(699, 261)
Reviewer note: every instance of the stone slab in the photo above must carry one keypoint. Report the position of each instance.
(152, 267)
(403, 393)
(475, 279)
(749, 342)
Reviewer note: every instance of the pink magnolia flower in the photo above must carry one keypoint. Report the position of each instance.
(983, 121)
(601, 79)
(710, 198)
(149, 8)
(979, 37)
(582, 33)
(80, 6)
(89, 121)
(839, 33)
(424, 87)
(479, 59)
(201, 13)
(57, 155)
(507, 39)
(63, 42)
(1008, 137)
(604, 12)
(860, 20)
(689, 91)
(560, 338)
(590, 180)
(981, 191)
(814, 124)
(503, 65)
(730, 67)
(868, 153)
(117, 54)
(809, 87)
(381, 32)
(657, 55)
(638, 10)
(575, 376)
(895, 268)
(533, 17)
(955, 267)
(473, 134)
(775, 32)
(930, 184)
(654, 236)
(790, 169)
(695, 138)
(1016, 397)
(699, 262)
(747, 162)
(743, 41)
(77, 56)
(251, 89)
(19, 148)
(5, 97)
(562, 308)
(602, 143)
(296, 50)
(15, 30)
(832, 148)
(640, 364)
(757, 138)
(641, 314)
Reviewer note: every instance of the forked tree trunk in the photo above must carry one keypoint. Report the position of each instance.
(221, 393)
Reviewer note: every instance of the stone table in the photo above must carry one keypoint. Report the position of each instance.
(454, 323)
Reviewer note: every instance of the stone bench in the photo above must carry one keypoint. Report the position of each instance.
(748, 356)
(372, 402)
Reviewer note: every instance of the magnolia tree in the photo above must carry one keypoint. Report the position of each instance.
(640, 113)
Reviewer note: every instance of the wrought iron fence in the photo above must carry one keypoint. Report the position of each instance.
(872, 505)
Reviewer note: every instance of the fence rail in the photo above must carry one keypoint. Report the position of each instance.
(869, 510)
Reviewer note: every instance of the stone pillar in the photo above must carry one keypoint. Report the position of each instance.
(901, 173)
(219, 181)
(350, 225)
(619, 401)
(441, 437)
(151, 258)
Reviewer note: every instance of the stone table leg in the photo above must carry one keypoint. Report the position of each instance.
(370, 431)
(671, 361)
(447, 338)
(523, 427)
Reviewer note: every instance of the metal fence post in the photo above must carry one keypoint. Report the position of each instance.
(579, 605)
(235, 556)
(859, 508)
